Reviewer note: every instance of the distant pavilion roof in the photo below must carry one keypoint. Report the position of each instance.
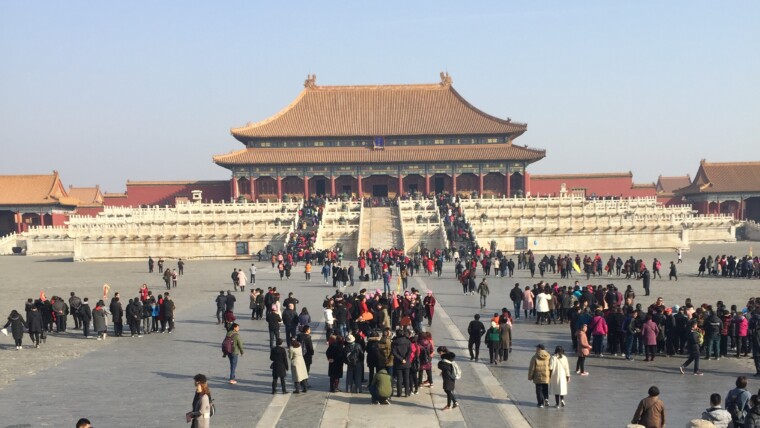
(391, 154)
(668, 185)
(378, 110)
(89, 196)
(724, 177)
(27, 190)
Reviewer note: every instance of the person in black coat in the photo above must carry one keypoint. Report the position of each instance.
(273, 322)
(167, 309)
(335, 356)
(35, 325)
(86, 314)
(447, 375)
(645, 279)
(279, 366)
(18, 325)
(117, 316)
(401, 349)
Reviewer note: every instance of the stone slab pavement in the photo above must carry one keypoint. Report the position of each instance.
(147, 381)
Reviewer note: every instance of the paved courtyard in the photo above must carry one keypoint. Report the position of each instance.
(147, 382)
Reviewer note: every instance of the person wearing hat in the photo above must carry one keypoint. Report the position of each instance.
(355, 362)
(540, 374)
(692, 347)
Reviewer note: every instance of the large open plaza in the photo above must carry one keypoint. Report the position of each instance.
(147, 381)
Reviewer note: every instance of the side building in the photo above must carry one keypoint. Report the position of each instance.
(382, 141)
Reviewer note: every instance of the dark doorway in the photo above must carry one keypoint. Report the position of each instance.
(439, 187)
(380, 190)
(347, 189)
(413, 188)
(320, 187)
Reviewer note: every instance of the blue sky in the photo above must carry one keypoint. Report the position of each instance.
(106, 92)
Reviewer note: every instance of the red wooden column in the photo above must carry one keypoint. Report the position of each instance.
(305, 187)
(361, 190)
(42, 219)
(252, 183)
(427, 184)
(741, 209)
(332, 186)
(400, 185)
(526, 183)
(453, 184)
(234, 191)
(481, 185)
(508, 183)
(19, 222)
(279, 188)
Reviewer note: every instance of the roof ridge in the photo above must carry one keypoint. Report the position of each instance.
(748, 163)
(434, 86)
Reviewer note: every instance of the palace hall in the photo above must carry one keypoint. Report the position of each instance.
(381, 141)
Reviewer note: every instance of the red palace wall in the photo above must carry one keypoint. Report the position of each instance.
(615, 186)
(165, 193)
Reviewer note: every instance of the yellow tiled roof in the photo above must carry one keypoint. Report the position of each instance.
(33, 190)
(380, 110)
(392, 154)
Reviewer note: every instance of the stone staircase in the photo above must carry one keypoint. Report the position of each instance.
(7, 243)
(381, 228)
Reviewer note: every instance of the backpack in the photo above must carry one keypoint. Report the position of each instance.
(455, 371)
(352, 356)
(700, 338)
(424, 356)
(228, 345)
(737, 414)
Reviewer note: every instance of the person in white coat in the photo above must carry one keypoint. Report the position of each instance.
(560, 376)
(241, 279)
(542, 307)
(297, 366)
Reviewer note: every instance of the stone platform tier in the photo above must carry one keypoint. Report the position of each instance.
(340, 225)
(572, 223)
(193, 230)
(421, 225)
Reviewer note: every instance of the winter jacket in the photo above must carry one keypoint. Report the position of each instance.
(385, 357)
(279, 361)
(401, 348)
(297, 364)
(382, 381)
(718, 416)
(649, 333)
(505, 332)
(538, 371)
(742, 325)
(274, 320)
(598, 326)
(753, 418)
(650, 413)
(17, 325)
(99, 319)
(237, 343)
(447, 371)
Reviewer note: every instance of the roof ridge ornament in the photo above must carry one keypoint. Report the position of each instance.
(310, 82)
(446, 79)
